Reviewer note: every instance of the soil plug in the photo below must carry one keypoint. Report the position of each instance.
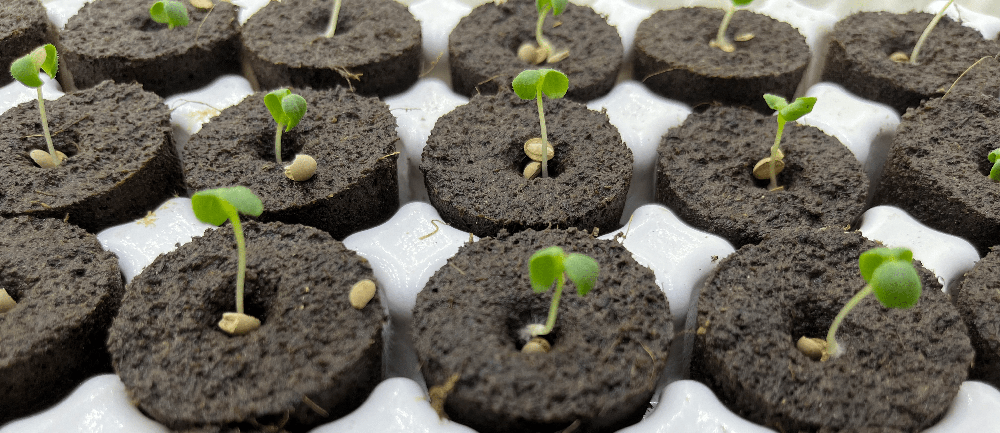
(890, 275)
(169, 12)
(924, 35)
(334, 14)
(287, 110)
(26, 70)
(553, 265)
(301, 169)
(6, 302)
(721, 41)
(531, 84)
(544, 50)
(770, 167)
(215, 206)
(994, 158)
(362, 293)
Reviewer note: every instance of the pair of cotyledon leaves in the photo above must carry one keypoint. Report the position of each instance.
(169, 12)
(25, 69)
(890, 273)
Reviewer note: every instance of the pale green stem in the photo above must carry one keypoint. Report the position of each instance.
(545, 136)
(720, 39)
(333, 19)
(831, 341)
(45, 127)
(927, 32)
(277, 144)
(774, 153)
(542, 42)
(551, 322)
(241, 250)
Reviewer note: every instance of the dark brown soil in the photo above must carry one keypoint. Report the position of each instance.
(482, 49)
(24, 26)
(608, 348)
(937, 169)
(122, 161)
(861, 44)
(379, 40)
(117, 40)
(978, 300)
(352, 138)
(184, 372)
(474, 160)
(704, 173)
(68, 290)
(673, 58)
(901, 368)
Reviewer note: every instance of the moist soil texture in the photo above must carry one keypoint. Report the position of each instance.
(353, 139)
(860, 46)
(482, 49)
(978, 300)
(313, 349)
(68, 290)
(937, 169)
(704, 173)
(674, 59)
(900, 369)
(608, 348)
(376, 49)
(24, 26)
(474, 159)
(117, 40)
(121, 157)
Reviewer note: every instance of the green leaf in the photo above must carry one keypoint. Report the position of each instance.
(25, 69)
(995, 171)
(582, 270)
(558, 6)
(775, 102)
(215, 206)
(797, 109)
(870, 260)
(169, 12)
(554, 84)
(741, 2)
(294, 107)
(50, 63)
(896, 284)
(993, 155)
(526, 83)
(273, 103)
(544, 267)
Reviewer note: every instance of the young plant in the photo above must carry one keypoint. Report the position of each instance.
(332, 28)
(553, 265)
(215, 206)
(771, 166)
(927, 32)
(26, 70)
(721, 41)
(531, 84)
(169, 12)
(545, 51)
(287, 110)
(994, 158)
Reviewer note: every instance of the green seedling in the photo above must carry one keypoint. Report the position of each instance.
(531, 84)
(994, 158)
(169, 12)
(927, 32)
(332, 28)
(771, 166)
(26, 70)
(545, 51)
(721, 41)
(215, 206)
(552, 265)
(287, 110)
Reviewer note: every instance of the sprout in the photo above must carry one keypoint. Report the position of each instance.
(721, 41)
(531, 84)
(25, 70)
(333, 19)
(287, 110)
(545, 50)
(927, 32)
(169, 12)
(994, 158)
(215, 206)
(771, 166)
(550, 265)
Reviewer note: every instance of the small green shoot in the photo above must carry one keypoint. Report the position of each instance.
(169, 12)
(25, 70)
(545, 51)
(332, 28)
(927, 32)
(721, 41)
(770, 167)
(287, 110)
(994, 158)
(215, 206)
(552, 265)
(531, 84)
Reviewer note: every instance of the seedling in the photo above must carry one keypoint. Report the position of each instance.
(771, 166)
(553, 265)
(332, 28)
(169, 12)
(994, 158)
(545, 51)
(287, 110)
(25, 70)
(890, 275)
(924, 35)
(721, 41)
(531, 84)
(215, 206)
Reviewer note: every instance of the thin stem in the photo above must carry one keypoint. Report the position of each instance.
(831, 341)
(545, 136)
(927, 32)
(277, 144)
(551, 322)
(333, 19)
(774, 153)
(542, 42)
(720, 39)
(241, 250)
(45, 127)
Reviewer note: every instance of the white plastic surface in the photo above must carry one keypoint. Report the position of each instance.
(15, 93)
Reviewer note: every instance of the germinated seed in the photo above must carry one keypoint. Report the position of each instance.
(762, 170)
(532, 170)
(531, 54)
(537, 345)
(238, 323)
(44, 160)
(533, 148)
(301, 169)
(811, 347)
(361, 293)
